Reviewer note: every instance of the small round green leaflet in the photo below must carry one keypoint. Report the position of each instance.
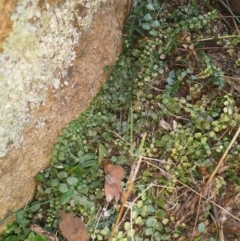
(48, 190)
(62, 175)
(155, 23)
(99, 237)
(131, 233)
(165, 221)
(147, 17)
(39, 177)
(61, 156)
(146, 26)
(160, 213)
(139, 203)
(72, 181)
(135, 214)
(137, 238)
(212, 239)
(135, 52)
(63, 187)
(84, 201)
(120, 234)
(159, 226)
(20, 217)
(153, 32)
(157, 236)
(127, 226)
(161, 202)
(105, 231)
(151, 222)
(144, 211)
(82, 189)
(150, 209)
(148, 231)
(54, 182)
(201, 227)
(150, 6)
(139, 220)
(35, 207)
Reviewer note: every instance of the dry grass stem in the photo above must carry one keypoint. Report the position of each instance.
(222, 159)
(197, 193)
(121, 138)
(132, 178)
(233, 82)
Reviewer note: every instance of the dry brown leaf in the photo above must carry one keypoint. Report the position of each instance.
(115, 171)
(175, 127)
(165, 125)
(222, 169)
(112, 187)
(72, 228)
(203, 170)
(112, 191)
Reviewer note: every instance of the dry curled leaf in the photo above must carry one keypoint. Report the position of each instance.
(203, 170)
(115, 171)
(72, 228)
(165, 125)
(112, 187)
(112, 192)
(175, 127)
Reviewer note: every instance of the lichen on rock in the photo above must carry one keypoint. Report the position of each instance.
(37, 55)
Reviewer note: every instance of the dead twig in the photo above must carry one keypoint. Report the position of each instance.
(206, 186)
(232, 78)
(121, 138)
(222, 159)
(132, 178)
(209, 48)
(197, 193)
(196, 219)
(232, 82)
(214, 38)
(236, 26)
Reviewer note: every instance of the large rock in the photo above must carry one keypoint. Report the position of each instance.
(51, 67)
(6, 8)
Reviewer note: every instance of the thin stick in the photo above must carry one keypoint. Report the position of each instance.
(196, 219)
(209, 48)
(230, 77)
(204, 189)
(100, 215)
(131, 223)
(222, 37)
(116, 134)
(222, 159)
(236, 26)
(125, 197)
(229, 9)
(131, 130)
(133, 202)
(197, 193)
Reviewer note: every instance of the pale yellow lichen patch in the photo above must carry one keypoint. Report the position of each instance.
(36, 56)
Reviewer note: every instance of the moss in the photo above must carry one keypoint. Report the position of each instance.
(36, 56)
